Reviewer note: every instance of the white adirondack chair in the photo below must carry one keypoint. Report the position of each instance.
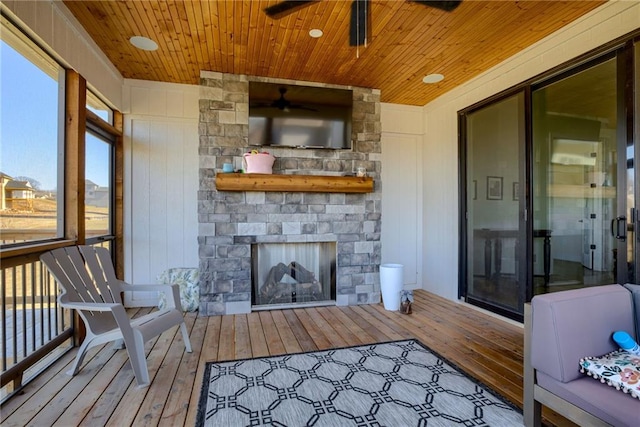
(89, 285)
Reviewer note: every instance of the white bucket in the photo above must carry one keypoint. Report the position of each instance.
(391, 281)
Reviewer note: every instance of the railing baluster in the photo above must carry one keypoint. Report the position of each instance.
(5, 336)
(25, 335)
(34, 324)
(52, 315)
(14, 287)
(38, 274)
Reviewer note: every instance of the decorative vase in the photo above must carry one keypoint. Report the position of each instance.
(391, 282)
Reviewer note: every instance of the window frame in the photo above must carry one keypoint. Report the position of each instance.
(74, 116)
(41, 58)
(106, 133)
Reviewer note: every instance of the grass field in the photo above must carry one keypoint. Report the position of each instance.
(41, 222)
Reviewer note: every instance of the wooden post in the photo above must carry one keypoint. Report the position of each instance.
(74, 162)
(118, 212)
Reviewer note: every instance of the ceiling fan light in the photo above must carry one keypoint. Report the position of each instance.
(143, 43)
(316, 33)
(432, 78)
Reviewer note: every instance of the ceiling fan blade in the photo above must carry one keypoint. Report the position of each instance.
(260, 105)
(301, 107)
(360, 29)
(446, 5)
(286, 7)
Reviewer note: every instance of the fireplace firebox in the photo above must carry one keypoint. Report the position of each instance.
(293, 274)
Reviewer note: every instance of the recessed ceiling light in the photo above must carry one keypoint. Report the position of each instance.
(316, 33)
(143, 43)
(432, 78)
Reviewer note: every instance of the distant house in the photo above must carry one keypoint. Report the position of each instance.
(17, 194)
(4, 179)
(94, 195)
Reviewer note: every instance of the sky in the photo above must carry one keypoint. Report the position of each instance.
(29, 125)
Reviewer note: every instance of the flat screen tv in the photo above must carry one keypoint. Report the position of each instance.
(299, 116)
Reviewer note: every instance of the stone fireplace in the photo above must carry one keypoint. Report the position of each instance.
(232, 223)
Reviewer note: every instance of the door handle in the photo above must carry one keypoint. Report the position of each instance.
(615, 228)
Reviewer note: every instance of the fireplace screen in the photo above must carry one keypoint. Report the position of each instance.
(293, 273)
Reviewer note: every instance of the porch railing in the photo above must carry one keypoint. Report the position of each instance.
(36, 331)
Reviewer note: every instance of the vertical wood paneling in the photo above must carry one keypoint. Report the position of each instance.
(158, 102)
(441, 207)
(162, 177)
(175, 215)
(139, 176)
(189, 190)
(26, 10)
(401, 211)
(159, 199)
(44, 20)
(174, 103)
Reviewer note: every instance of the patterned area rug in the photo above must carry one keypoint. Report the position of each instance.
(400, 383)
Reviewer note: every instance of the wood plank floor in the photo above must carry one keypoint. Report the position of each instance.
(104, 392)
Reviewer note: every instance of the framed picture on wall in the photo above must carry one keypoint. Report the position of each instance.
(516, 191)
(494, 188)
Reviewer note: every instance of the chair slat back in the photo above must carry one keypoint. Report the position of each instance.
(81, 282)
(74, 282)
(99, 264)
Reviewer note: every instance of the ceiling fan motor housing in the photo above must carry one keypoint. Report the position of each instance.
(359, 29)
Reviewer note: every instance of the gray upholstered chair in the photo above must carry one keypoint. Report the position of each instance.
(560, 329)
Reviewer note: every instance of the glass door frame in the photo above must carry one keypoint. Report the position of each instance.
(524, 234)
(565, 74)
(627, 52)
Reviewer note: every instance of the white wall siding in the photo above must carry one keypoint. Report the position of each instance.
(401, 176)
(440, 159)
(161, 176)
(51, 23)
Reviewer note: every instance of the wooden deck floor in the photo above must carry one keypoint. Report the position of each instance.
(104, 392)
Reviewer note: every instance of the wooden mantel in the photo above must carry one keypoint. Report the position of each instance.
(294, 183)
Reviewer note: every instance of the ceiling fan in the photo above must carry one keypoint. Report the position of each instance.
(360, 13)
(282, 103)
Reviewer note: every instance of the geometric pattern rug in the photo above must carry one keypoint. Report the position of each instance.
(400, 383)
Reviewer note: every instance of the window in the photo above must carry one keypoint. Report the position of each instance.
(31, 117)
(98, 178)
(99, 107)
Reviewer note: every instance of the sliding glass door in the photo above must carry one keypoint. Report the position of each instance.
(548, 200)
(495, 237)
(583, 175)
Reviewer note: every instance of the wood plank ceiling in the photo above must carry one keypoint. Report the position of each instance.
(408, 40)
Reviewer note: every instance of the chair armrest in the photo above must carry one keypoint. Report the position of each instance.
(89, 306)
(146, 288)
(172, 292)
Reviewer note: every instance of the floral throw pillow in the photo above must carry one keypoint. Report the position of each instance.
(188, 280)
(619, 369)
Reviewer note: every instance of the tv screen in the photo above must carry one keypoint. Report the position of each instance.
(303, 117)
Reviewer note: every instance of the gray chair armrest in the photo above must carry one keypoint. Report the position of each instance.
(635, 295)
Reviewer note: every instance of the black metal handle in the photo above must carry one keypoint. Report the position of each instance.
(615, 228)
